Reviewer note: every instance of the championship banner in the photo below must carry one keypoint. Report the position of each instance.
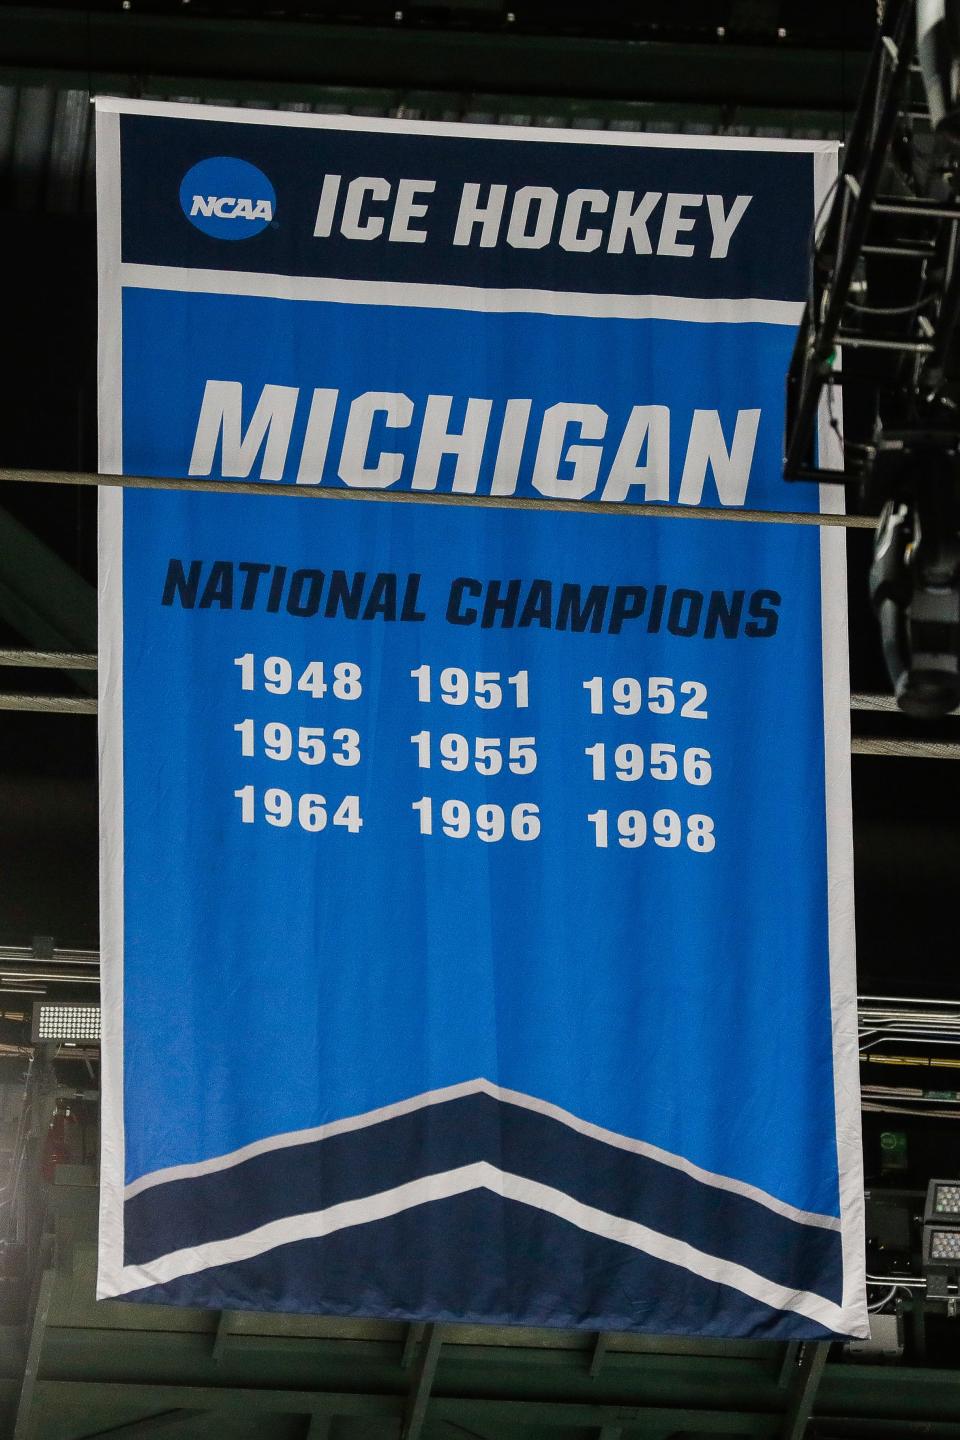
(476, 869)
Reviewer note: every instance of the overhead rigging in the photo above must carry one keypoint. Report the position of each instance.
(885, 294)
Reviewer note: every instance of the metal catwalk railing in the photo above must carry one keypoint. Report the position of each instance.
(428, 497)
(87, 705)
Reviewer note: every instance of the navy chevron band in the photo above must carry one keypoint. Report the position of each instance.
(557, 1274)
(295, 1179)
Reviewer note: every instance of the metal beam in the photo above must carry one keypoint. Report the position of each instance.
(431, 103)
(859, 745)
(50, 704)
(319, 1427)
(64, 660)
(152, 1425)
(421, 1383)
(430, 497)
(740, 1397)
(401, 57)
(414, 1335)
(875, 703)
(22, 1426)
(803, 1389)
(913, 749)
(47, 660)
(486, 1416)
(221, 1334)
(599, 1351)
(791, 1354)
(77, 1396)
(882, 704)
(851, 1427)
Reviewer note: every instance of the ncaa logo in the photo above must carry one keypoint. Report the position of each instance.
(227, 198)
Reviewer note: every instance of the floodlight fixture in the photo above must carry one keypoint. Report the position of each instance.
(941, 1261)
(941, 1240)
(944, 1246)
(943, 1202)
(69, 1024)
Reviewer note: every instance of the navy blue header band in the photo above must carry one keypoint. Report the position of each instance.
(387, 206)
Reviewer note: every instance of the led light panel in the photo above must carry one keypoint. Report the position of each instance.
(946, 1198)
(945, 1245)
(79, 1023)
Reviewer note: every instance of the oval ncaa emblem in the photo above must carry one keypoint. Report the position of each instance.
(227, 198)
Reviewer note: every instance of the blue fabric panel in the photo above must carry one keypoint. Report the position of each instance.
(608, 981)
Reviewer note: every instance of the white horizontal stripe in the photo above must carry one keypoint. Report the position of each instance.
(730, 311)
(460, 129)
(480, 1086)
(481, 1175)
